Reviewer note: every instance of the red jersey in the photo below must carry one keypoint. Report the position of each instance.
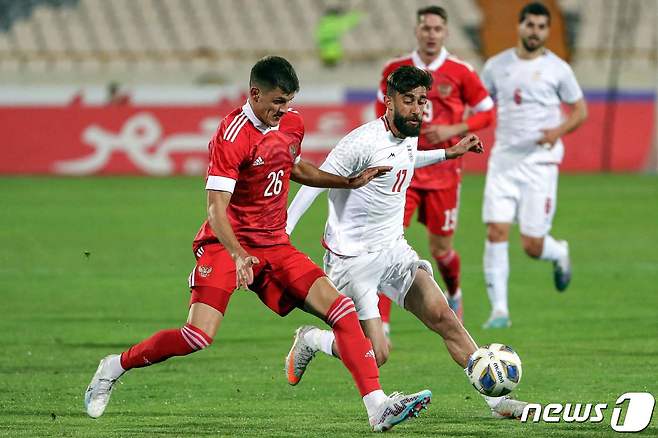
(455, 86)
(253, 161)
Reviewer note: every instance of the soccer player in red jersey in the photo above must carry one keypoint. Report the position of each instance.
(243, 243)
(434, 190)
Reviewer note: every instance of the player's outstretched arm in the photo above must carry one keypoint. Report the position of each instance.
(309, 175)
(217, 203)
(470, 143)
(303, 200)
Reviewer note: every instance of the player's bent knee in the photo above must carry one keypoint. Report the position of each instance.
(497, 232)
(322, 295)
(196, 338)
(440, 245)
(442, 319)
(439, 252)
(532, 246)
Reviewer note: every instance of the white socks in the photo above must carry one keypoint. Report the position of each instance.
(373, 400)
(496, 273)
(492, 401)
(321, 340)
(553, 250)
(114, 366)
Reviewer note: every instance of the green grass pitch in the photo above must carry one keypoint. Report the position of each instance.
(89, 266)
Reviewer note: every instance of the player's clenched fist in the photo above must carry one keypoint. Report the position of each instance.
(470, 143)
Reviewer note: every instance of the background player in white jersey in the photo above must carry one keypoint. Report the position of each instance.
(364, 235)
(529, 84)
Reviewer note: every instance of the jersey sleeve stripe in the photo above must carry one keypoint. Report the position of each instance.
(237, 129)
(234, 123)
(230, 125)
(220, 183)
(484, 105)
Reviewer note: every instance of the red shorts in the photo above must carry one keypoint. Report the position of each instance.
(282, 279)
(437, 209)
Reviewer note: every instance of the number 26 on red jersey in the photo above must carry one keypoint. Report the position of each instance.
(275, 184)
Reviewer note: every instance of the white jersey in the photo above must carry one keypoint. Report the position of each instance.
(528, 95)
(370, 218)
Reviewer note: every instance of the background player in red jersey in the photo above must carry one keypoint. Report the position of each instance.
(243, 243)
(434, 190)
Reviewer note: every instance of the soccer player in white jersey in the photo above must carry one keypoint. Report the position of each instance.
(529, 84)
(364, 235)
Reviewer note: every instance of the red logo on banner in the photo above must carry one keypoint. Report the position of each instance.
(141, 139)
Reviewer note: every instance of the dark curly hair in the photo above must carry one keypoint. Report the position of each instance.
(406, 78)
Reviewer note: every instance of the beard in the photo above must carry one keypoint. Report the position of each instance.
(527, 44)
(402, 125)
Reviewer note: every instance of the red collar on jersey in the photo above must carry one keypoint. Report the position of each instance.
(386, 125)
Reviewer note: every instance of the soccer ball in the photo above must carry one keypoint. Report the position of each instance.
(494, 370)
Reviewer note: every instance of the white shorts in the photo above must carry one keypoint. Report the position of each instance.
(390, 271)
(526, 193)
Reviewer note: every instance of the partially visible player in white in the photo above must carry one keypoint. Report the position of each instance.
(364, 236)
(529, 83)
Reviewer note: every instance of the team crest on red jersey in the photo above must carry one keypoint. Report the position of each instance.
(444, 89)
(204, 271)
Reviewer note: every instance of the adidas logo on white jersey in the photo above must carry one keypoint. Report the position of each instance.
(258, 161)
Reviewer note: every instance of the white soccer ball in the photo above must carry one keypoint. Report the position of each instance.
(494, 369)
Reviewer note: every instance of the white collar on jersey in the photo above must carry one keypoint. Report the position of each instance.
(434, 65)
(262, 127)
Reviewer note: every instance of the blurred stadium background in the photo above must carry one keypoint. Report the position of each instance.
(137, 86)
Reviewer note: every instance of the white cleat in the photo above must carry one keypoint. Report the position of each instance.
(508, 408)
(99, 390)
(398, 408)
(299, 356)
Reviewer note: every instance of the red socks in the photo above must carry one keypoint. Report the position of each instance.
(355, 349)
(450, 267)
(384, 308)
(163, 345)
